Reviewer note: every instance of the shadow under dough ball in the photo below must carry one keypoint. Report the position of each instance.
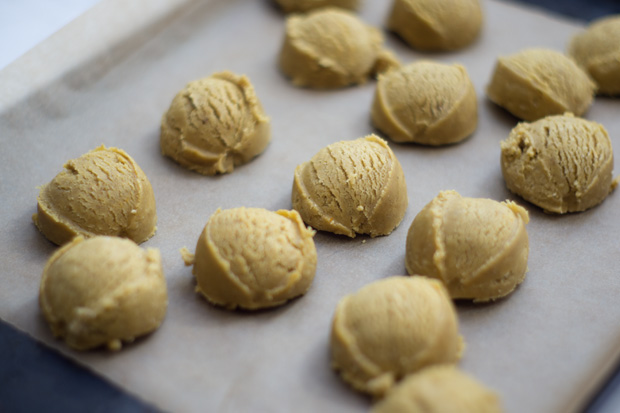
(351, 187)
(477, 247)
(391, 328)
(103, 291)
(296, 6)
(215, 124)
(436, 25)
(103, 192)
(535, 83)
(559, 163)
(597, 50)
(253, 258)
(426, 102)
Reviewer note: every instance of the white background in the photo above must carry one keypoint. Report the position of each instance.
(25, 23)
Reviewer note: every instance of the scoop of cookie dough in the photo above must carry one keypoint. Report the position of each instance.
(293, 6)
(560, 163)
(391, 328)
(477, 247)
(535, 83)
(332, 48)
(253, 258)
(439, 389)
(597, 50)
(436, 24)
(103, 192)
(426, 102)
(215, 124)
(352, 187)
(103, 291)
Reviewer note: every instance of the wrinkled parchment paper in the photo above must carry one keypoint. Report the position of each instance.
(108, 78)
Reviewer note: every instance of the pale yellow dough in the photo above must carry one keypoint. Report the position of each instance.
(253, 258)
(215, 124)
(439, 389)
(391, 328)
(560, 163)
(436, 25)
(477, 247)
(294, 6)
(331, 48)
(103, 192)
(352, 187)
(535, 83)
(426, 102)
(103, 291)
(597, 50)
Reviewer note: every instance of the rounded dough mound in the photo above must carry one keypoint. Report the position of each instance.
(477, 247)
(103, 291)
(391, 328)
(560, 163)
(103, 192)
(215, 124)
(436, 24)
(352, 187)
(426, 102)
(535, 83)
(331, 48)
(293, 6)
(439, 389)
(597, 50)
(253, 258)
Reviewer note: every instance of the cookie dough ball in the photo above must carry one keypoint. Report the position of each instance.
(103, 291)
(253, 258)
(436, 25)
(560, 163)
(103, 192)
(352, 187)
(293, 6)
(535, 83)
(391, 328)
(597, 50)
(331, 48)
(426, 102)
(215, 124)
(439, 389)
(477, 247)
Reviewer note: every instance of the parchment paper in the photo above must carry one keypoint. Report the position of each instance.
(109, 77)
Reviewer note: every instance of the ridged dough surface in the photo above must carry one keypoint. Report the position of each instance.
(439, 389)
(426, 102)
(351, 187)
(331, 48)
(597, 50)
(477, 247)
(436, 25)
(103, 192)
(391, 328)
(535, 83)
(103, 291)
(560, 163)
(215, 124)
(253, 258)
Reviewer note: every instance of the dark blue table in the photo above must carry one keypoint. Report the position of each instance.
(35, 378)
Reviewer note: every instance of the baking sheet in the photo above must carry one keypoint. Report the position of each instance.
(543, 349)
